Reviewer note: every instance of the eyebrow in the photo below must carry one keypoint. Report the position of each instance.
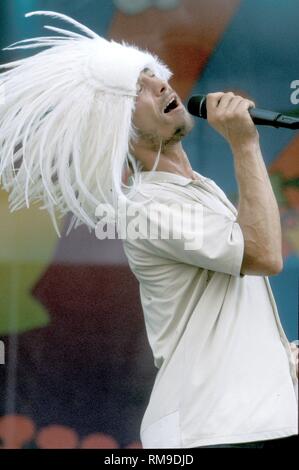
(144, 71)
(147, 70)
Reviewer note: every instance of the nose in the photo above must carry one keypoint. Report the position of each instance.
(157, 85)
(161, 87)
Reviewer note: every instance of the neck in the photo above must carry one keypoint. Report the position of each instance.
(173, 159)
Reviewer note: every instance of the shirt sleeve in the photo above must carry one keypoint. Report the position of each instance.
(215, 242)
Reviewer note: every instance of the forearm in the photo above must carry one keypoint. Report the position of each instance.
(258, 213)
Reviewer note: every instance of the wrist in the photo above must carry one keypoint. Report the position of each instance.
(243, 146)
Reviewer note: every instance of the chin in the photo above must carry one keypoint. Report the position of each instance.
(186, 126)
(190, 123)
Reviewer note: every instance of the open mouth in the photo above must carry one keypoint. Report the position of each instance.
(171, 105)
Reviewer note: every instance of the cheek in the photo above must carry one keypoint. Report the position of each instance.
(138, 116)
(146, 114)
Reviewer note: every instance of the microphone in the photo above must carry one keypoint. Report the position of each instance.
(197, 107)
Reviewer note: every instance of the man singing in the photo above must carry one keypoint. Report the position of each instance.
(80, 115)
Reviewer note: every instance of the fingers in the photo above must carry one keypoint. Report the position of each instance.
(213, 100)
(243, 104)
(228, 114)
(227, 105)
(226, 101)
(239, 107)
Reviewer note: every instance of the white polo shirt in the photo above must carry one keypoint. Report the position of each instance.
(225, 372)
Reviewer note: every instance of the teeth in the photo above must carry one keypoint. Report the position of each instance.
(170, 101)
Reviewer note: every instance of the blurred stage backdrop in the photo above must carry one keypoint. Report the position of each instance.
(78, 368)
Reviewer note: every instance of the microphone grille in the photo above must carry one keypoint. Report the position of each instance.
(197, 106)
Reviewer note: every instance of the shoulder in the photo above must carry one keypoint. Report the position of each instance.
(157, 192)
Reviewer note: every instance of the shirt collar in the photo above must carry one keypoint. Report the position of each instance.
(201, 181)
(167, 177)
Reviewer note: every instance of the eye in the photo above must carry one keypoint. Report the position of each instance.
(149, 73)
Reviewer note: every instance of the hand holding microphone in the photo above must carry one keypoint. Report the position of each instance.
(197, 105)
(228, 114)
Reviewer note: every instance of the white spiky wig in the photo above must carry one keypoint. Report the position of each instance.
(66, 121)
